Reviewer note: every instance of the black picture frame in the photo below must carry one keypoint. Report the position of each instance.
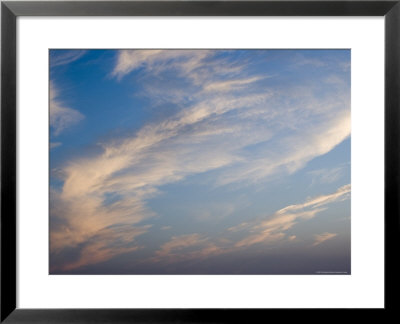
(10, 10)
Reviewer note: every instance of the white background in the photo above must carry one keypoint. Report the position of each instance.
(363, 288)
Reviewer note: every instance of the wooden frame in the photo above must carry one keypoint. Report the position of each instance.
(10, 10)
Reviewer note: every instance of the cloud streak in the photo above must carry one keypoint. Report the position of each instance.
(61, 117)
(188, 247)
(320, 238)
(269, 231)
(275, 227)
(184, 61)
(58, 58)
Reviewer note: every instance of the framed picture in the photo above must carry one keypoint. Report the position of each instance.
(195, 161)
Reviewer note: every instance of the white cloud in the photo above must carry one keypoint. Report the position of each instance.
(327, 175)
(224, 86)
(61, 117)
(158, 60)
(293, 151)
(59, 57)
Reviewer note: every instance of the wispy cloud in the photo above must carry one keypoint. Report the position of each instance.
(187, 247)
(181, 242)
(275, 227)
(55, 144)
(270, 230)
(63, 57)
(320, 238)
(301, 60)
(223, 86)
(105, 244)
(327, 175)
(293, 152)
(183, 61)
(61, 117)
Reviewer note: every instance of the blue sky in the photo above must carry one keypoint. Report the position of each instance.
(199, 161)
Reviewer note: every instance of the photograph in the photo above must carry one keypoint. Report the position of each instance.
(199, 161)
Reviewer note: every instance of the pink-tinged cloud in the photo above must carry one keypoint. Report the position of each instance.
(320, 238)
(274, 228)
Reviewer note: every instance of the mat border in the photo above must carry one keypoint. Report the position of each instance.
(10, 10)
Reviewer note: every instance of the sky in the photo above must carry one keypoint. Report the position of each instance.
(199, 161)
